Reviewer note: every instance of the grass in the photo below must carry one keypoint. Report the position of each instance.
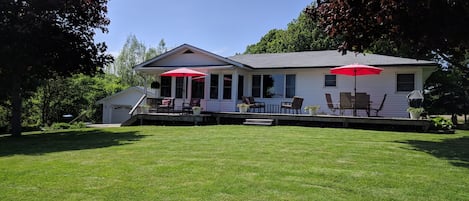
(234, 163)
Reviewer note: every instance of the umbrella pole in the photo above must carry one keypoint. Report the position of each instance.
(184, 89)
(355, 92)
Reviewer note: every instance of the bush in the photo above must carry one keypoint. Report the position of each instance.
(441, 123)
(58, 126)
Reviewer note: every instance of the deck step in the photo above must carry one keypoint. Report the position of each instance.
(259, 122)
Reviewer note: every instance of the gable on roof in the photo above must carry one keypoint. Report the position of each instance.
(187, 56)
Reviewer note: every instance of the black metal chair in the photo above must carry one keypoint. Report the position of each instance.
(253, 104)
(333, 107)
(345, 102)
(295, 105)
(167, 105)
(187, 107)
(380, 106)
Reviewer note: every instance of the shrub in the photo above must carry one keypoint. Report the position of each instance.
(62, 125)
(441, 123)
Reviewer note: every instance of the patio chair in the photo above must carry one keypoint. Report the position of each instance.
(187, 107)
(380, 106)
(295, 105)
(253, 104)
(333, 107)
(167, 105)
(345, 102)
(362, 102)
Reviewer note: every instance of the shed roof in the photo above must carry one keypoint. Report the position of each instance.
(136, 88)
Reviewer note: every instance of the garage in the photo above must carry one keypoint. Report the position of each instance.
(116, 107)
(120, 113)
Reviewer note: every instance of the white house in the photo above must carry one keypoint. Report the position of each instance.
(273, 78)
(116, 107)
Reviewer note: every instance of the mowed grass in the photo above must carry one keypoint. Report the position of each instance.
(234, 163)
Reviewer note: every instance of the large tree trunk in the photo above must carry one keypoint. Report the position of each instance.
(16, 102)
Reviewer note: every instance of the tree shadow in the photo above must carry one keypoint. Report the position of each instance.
(456, 150)
(42, 143)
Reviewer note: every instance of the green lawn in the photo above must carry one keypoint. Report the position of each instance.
(234, 163)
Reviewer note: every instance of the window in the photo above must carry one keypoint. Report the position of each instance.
(256, 86)
(179, 87)
(290, 86)
(405, 82)
(227, 80)
(198, 86)
(330, 80)
(165, 86)
(273, 86)
(240, 86)
(214, 86)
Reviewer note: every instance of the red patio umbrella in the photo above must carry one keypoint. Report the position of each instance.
(183, 72)
(354, 70)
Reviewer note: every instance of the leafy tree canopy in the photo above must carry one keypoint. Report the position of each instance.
(133, 53)
(425, 27)
(42, 39)
(302, 34)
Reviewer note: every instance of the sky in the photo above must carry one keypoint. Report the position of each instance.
(223, 27)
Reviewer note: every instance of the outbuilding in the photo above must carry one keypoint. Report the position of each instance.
(116, 107)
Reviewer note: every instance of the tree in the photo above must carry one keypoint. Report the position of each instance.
(76, 95)
(43, 39)
(422, 29)
(447, 93)
(133, 53)
(426, 27)
(302, 34)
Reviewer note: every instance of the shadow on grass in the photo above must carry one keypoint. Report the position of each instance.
(456, 151)
(36, 144)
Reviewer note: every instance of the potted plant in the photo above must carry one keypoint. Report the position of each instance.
(243, 107)
(196, 110)
(312, 109)
(415, 112)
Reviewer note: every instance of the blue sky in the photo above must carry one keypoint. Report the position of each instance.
(224, 27)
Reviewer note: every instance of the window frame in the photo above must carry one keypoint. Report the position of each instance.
(258, 86)
(326, 80)
(399, 82)
(226, 88)
(214, 86)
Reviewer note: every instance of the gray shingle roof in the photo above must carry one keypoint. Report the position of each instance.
(327, 58)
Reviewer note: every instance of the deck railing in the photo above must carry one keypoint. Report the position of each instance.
(137, 104)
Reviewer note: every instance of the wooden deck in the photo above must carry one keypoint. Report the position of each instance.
(375, 123)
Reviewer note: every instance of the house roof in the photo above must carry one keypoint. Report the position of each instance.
(182, 49)
(326, 59)
(136, 88)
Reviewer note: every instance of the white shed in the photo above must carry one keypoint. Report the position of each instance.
(116, 107)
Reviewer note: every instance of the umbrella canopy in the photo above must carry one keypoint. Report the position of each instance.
(354, 70)
(182, 72)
